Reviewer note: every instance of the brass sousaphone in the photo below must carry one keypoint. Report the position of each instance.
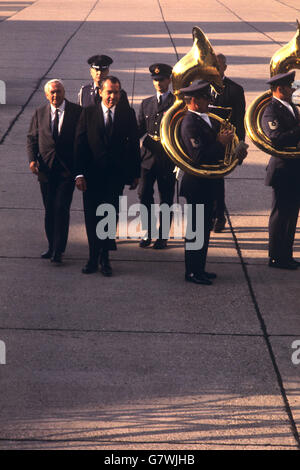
(284, 60)
(199, 63)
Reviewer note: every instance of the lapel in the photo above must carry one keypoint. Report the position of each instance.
(284, 112)
(45, 123)
(66, 121)
(166, 104)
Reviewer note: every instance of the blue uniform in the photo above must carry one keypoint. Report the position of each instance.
(200, 143)
(282, 128)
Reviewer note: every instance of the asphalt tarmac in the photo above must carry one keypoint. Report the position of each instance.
(142, 360)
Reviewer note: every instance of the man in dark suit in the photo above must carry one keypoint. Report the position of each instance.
(107, 158)
(232, 96)
(203, 144)
(99, 70)
(281, 123)
(156, 165)
(50, 142)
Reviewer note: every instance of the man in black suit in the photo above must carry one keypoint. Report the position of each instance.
(204, 144)
(232, 96)
(107, 158)
(156, 165)
(50, 142)
(99, 70)
(281, 123)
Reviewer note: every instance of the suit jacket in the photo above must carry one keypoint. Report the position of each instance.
(41, 146)
(149, 119)
(282, 128)
(98, 156)
(233, 96)
(87, 96)
(200, 142)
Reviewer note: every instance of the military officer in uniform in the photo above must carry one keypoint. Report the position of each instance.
(204, 144)
(99, 69)
(156, 165)
(232, 96)
(281, 123)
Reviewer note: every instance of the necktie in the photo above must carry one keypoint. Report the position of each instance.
(160, 100)
(108, 126)
(97, 97)
(55, 126)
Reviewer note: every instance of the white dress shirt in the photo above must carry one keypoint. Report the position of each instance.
(105, 112)
(204, 116)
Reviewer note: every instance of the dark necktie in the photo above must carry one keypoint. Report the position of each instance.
(55, 126)
(109, 124)
(160, 100)
(97, 97)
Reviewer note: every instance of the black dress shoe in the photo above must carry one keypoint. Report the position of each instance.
(160, 244)
(210, 275)
(47, 254)
(282, 264)
(295, 262)
(145, 242)
(56, 258)
(89, 268)
(105, 266)
(219, 225)
(198, 279)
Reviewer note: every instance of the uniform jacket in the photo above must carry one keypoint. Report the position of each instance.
(233, 96)
(200, 142)
(87, 96)
(97, 156)
(41, 146)
(283, 130)
(149, 119)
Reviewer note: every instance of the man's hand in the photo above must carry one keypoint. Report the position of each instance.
(80, 183)
(225, 137)
(134, 184)
(241, 151)
(33, 167)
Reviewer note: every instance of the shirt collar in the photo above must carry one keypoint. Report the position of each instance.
(105, 109)
(163, 95)
(204, 116)
(285, 103)
(61, 108)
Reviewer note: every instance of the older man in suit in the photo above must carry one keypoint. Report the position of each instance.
(107, 158)
(50, 142)
(281, 123)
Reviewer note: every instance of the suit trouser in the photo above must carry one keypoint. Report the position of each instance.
(166, 187)
(283, 223)
(195, 260)
(57, 195)
(92, 198)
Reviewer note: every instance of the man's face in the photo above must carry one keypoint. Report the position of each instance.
(222, 65)
(98, 75)
(200, 103)
(55, 94)
(162, 85)
(286, 92)
(110, 94)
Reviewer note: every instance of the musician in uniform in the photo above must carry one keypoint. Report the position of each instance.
(281, 123)
(204, 144)
(232, 96)
(99, 69)
(156, 165)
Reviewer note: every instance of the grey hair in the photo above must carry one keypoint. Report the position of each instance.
(54, 80)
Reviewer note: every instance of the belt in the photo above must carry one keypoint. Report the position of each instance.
(154, 137)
